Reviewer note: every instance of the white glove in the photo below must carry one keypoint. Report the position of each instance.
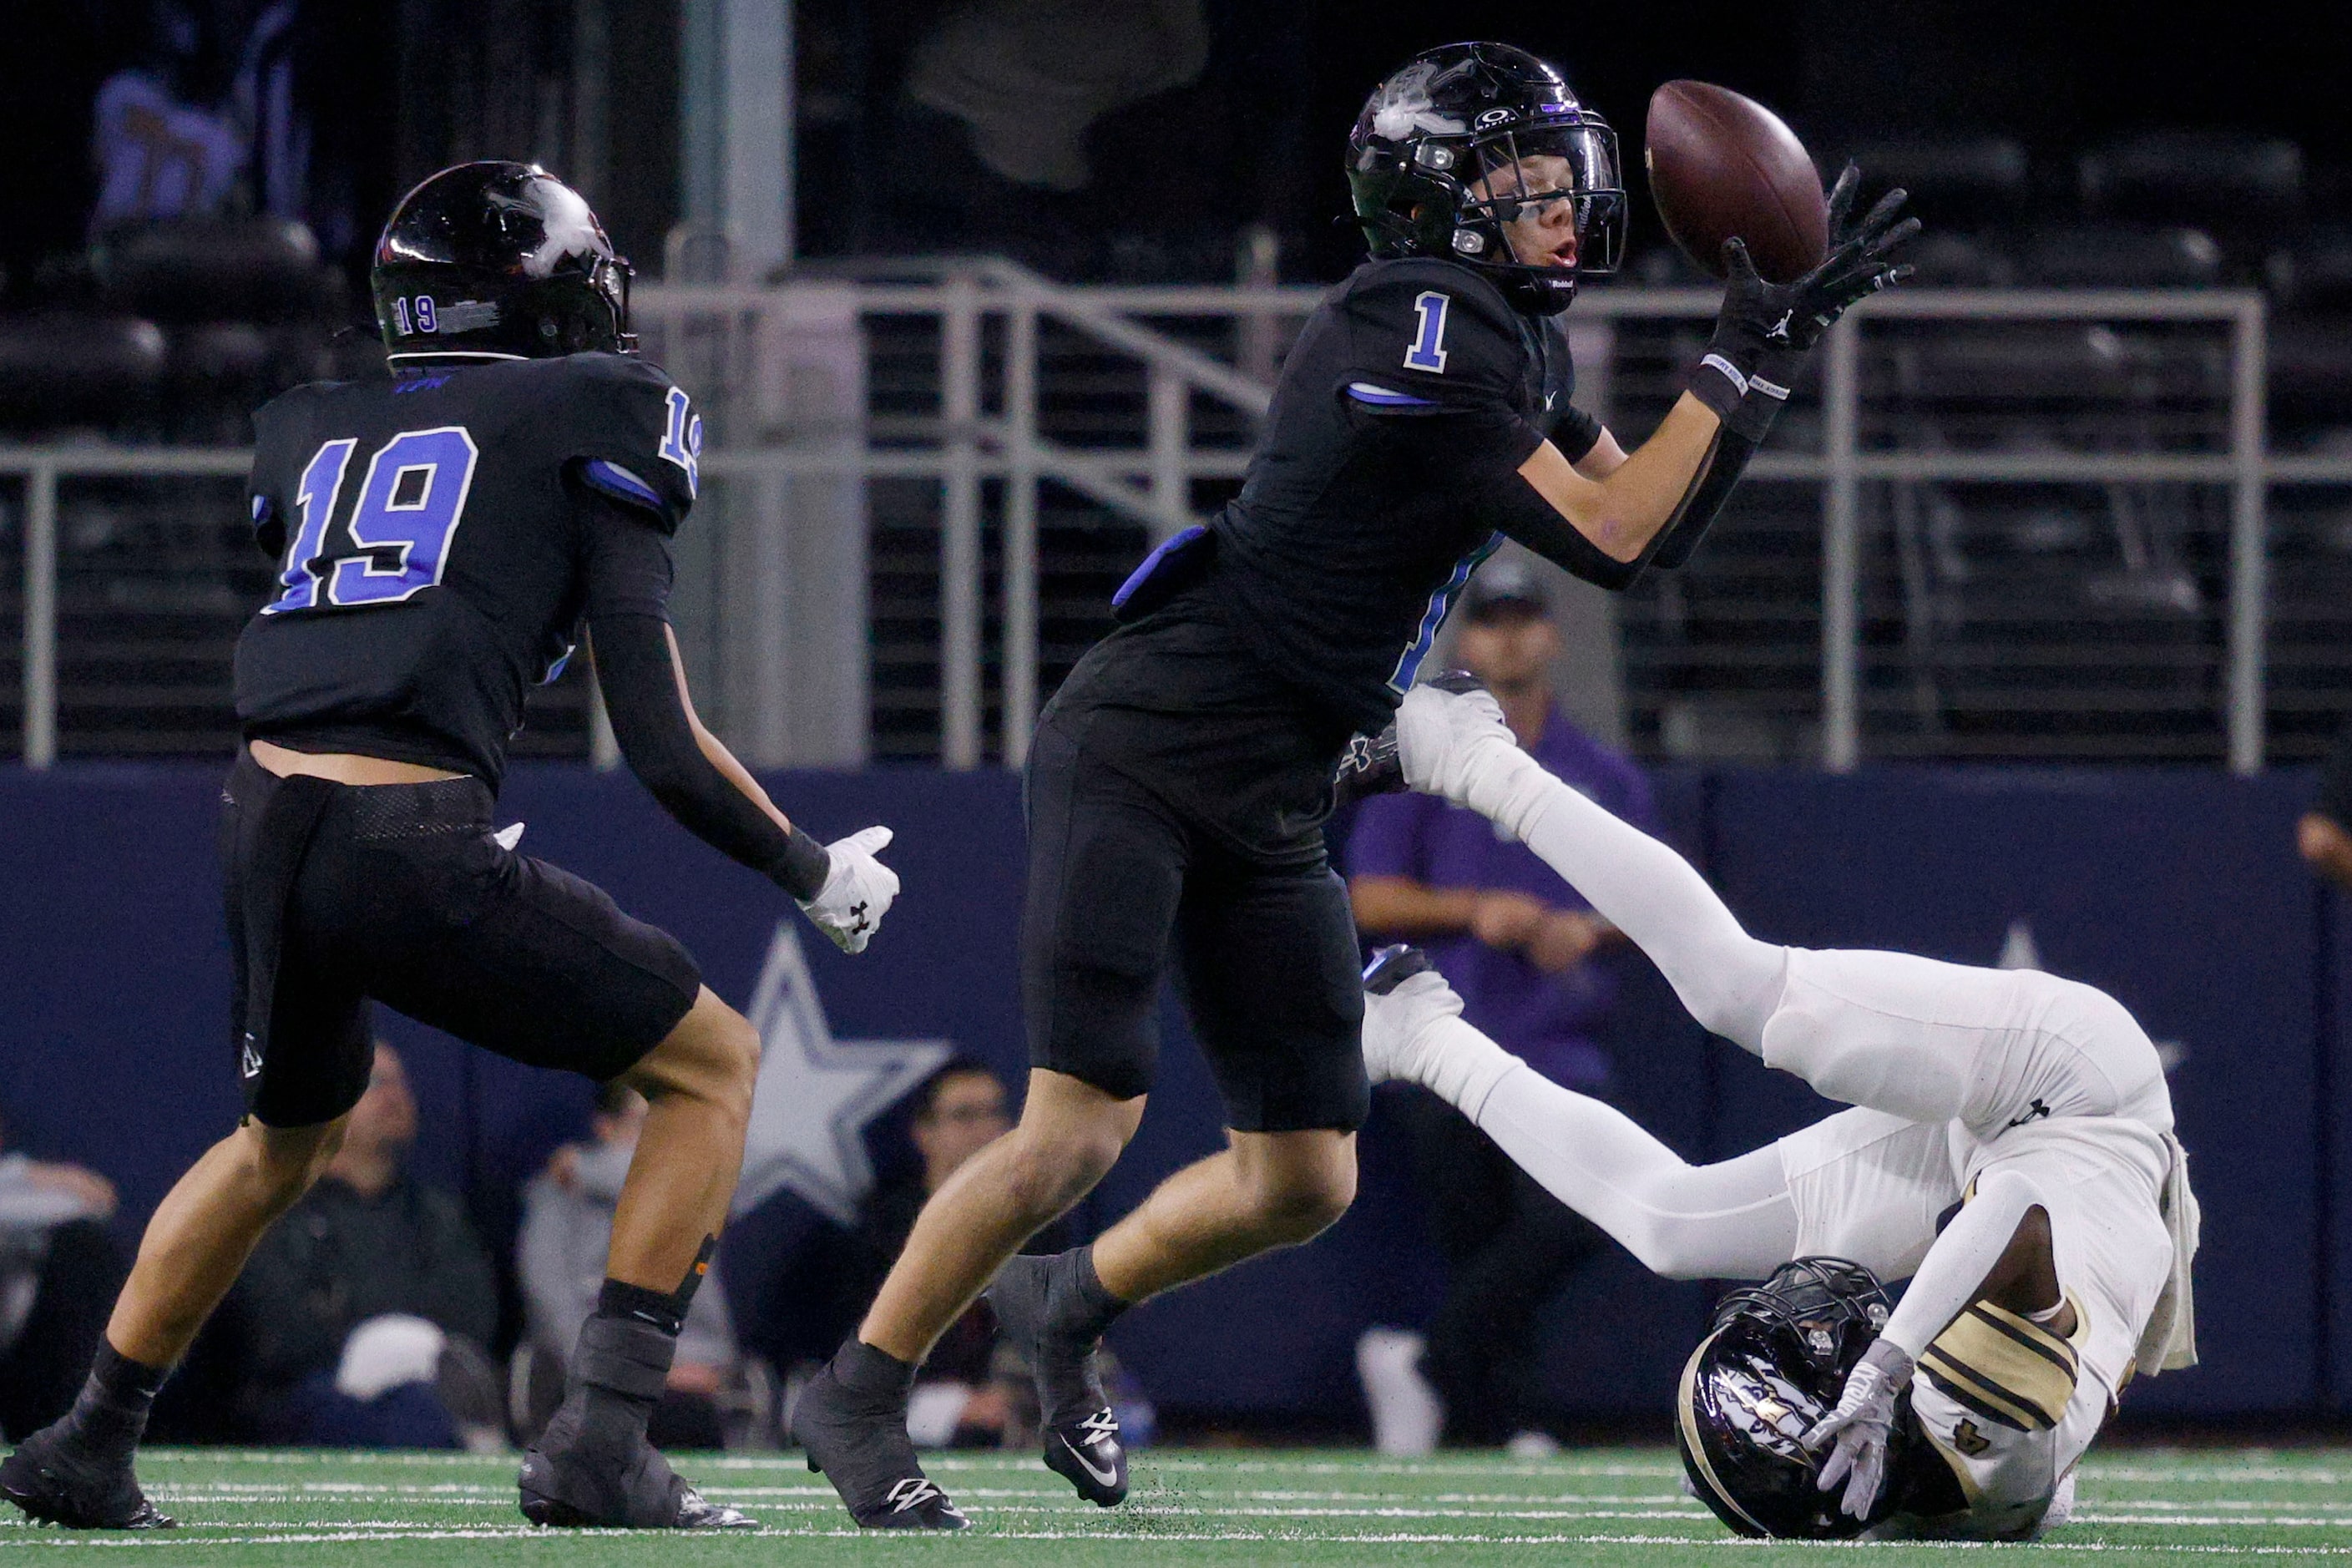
(1861, 1425)
(1395, 1023)
(1456, 744)
(857, 893)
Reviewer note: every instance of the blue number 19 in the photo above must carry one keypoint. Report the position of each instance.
(1428, 351)
(407, 513)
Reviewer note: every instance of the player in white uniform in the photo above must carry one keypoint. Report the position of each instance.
(2037, 1100)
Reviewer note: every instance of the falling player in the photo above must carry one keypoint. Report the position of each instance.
(1178, 780)
(443, 532)
(2034, 1104)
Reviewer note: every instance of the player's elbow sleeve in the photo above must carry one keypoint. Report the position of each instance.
(1527, 516)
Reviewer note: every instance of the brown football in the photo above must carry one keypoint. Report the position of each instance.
(1723, 165)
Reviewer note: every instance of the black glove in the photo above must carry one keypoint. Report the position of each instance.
(1766, 330)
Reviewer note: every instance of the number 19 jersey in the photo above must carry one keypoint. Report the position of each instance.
(432, 550)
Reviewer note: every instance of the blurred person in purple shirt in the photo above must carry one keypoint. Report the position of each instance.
(1517, 944)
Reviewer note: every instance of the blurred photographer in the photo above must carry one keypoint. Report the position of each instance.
(58, 1271)
(1517, 944)
(368, 1308)
(567, 1229)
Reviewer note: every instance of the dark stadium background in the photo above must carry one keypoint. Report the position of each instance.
(2173, 884)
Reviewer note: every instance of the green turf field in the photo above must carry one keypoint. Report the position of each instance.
(1606, 1505)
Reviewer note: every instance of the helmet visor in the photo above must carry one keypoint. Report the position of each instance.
(1566, 161)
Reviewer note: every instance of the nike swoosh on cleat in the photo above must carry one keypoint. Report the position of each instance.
(1109, 1478)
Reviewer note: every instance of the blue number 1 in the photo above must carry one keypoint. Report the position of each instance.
(314, 497)
(1428, 351)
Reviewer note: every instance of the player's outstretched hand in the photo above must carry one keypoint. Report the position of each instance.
(1775, 323)
(857, 893)
(1856, 1433)
(1447, 740)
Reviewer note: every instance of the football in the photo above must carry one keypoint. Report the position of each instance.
(1722, 166)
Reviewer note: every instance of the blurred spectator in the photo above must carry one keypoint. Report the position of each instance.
(2325, 834)
(367, 1307)
(965, 1395)
(1030, 76)
(1517, 943)
(243, 108)
(567, 1231)
(59, 1272)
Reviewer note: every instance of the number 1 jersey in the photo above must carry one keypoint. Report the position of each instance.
(432, 545)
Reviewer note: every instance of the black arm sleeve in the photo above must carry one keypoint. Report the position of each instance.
(1519, 510)
(1725, 463)
(1576, 434)
(628, 584)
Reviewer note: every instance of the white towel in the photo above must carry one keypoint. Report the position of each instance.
(2169, 1340)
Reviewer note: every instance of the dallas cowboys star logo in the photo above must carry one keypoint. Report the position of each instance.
(816, 1094)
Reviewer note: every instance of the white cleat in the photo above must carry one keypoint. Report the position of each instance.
(1403, 997)
(1447, 740)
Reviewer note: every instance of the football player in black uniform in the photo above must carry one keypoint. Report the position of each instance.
(443, 531)
(1180, 779)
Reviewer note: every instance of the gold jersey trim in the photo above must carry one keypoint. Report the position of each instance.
(2004, 1367)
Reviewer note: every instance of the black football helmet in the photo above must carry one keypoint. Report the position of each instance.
(1454, 115)
(498, 260)
(1773, 1363)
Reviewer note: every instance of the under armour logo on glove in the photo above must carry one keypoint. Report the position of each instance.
(2036, 1113)
(857, 892)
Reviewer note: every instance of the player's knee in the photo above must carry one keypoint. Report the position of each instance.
(1043, 1176)
(713, 1055)
(282, 1163)
(1299, 1200)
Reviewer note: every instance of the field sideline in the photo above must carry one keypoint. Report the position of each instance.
(1620, 1506)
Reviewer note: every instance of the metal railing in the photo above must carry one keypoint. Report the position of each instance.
(988, 429)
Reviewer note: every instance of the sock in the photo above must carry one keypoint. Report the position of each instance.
(1730, 982)
(1081, 1304)
(876, 1373)
(659, 1309)
(1459, 1064)
(111, 1414)
(622, 1364)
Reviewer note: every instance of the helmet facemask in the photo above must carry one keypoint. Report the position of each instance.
(1521, 171)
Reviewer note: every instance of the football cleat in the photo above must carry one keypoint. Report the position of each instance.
(572, 1481)
(860, 1445)
(1080, 1432)
(56, 1483)
(1371, 764)
(1391, 966)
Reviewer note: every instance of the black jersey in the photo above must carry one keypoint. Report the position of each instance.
(434, 547)
(1405, 410)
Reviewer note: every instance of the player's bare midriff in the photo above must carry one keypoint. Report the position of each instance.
(344, 767)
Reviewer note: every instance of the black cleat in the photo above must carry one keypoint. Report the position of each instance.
(860, 1445)
(1371, 766)
(1080, 1434)
(1392, 966)
(56, 1483)
(570, 1480)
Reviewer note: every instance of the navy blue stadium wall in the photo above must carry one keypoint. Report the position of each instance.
(2179, 891)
